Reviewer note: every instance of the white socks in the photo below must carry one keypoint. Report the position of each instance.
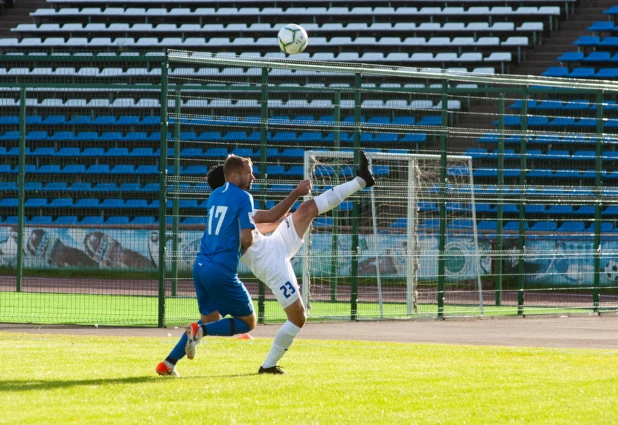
(333, 197)
(283, 340)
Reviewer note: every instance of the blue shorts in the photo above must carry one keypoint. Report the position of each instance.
(220, 290)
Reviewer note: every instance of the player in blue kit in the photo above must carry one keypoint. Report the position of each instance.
(229, 232)
(269, 257)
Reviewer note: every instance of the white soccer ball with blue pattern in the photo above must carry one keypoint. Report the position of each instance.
(292, 39)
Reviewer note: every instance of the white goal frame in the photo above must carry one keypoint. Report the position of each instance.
(412, 242)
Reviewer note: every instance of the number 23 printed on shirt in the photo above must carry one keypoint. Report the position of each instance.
(218, 212)
(287, 289)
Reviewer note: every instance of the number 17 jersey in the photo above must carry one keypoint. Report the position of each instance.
(230, 210)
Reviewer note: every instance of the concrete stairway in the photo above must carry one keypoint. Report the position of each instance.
(19, 14)
(561, 41)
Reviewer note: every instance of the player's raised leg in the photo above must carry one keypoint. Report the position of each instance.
(307, 211)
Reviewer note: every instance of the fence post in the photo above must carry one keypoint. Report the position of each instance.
(335, 242)
(355, 206)
(162, 193)
(263, 159)
(521, 242)
(500, 199)
(442, 200)
(20, 189)
(598, 204)
(175, 202)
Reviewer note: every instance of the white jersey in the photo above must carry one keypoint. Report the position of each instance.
(269, 260)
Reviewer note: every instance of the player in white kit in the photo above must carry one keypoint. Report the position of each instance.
(269, 256)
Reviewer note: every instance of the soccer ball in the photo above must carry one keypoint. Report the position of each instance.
(611, 270)
(292, 39)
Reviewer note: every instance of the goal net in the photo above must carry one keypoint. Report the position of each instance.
(381, 249)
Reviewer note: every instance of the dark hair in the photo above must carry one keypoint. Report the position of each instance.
(215, 177)
(233, 164)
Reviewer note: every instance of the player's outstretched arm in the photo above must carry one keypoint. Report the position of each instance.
(275, 213)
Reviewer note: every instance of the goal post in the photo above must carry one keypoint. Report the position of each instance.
(397, 255)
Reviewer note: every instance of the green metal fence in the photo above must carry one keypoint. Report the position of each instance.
(541, 151)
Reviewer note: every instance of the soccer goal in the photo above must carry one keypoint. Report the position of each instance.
(382, 249)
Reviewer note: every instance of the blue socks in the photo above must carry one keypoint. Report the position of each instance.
(225, 327)
(179, 350)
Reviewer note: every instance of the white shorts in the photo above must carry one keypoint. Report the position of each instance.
(269, 260)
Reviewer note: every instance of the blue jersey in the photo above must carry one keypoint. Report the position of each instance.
(230, 210)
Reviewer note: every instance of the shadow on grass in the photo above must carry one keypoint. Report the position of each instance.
(51, 384)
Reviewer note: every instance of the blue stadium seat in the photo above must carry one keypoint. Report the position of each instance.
(275, 170)
(61, 203)
(210, 136)
(104, 120)
(283, 136)
(560, 209)
(68, 152)
(149, 120)
(295, 171)
(80, 119)
(66, 220)
(92, 220)
(188, 135)
(123, 169)
(111, 136)
(146, 169)
(41, 220)
(87, 135)
(143, 220)
(135, 136)
(293, 153)
(81, 186)
(238, 136)
(36, 135)
(556, 71)
(193, 152)
(571, 226)
(570, 57)
(199, 170)
(112, 203)
(130, 187)
(9, 202)
(54, 119)
(128, 120)
(44, 152)
(105, 187)
(49, 169)
(309, 137)
(9, 120)
(8, 185)
(136, 203)
(35, 202)
(194, 221)
(487, 225)
(514, 226)
(117, 152)
(151, 187)
(10, 135)
(87, 203)
(414, 138)
(216, 153)
(98, 169)
(117, 220)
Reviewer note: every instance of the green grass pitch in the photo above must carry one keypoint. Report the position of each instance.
(52, 379)
(51, 308)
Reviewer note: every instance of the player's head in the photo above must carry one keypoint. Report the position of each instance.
(239, 170)
(215, 177)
